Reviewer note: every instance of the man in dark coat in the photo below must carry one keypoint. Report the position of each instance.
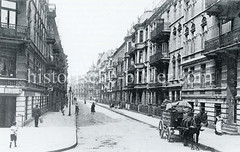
(36, 114)
(93, 108)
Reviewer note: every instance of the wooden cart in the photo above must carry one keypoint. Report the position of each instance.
(171, 120)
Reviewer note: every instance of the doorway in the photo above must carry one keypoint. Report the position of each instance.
(7, 111)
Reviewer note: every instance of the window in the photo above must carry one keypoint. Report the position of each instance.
(173, 95)
(7, 67)
(175, 11)
(193, 45)
(217, 108)
(8, 14)
(151, 74)
(140, 77)
(203, 74)
(218, 73)
(140, 56)
(165, 48)
(202, 107)
(191, 77)
(146, 33)
(174, 66)
(179, 65)
(141, 37)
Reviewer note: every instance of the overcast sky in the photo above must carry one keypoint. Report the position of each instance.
(88, 27)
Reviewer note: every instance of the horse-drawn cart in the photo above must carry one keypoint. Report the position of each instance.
(172, 117)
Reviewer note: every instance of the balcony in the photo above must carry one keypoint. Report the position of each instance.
(159, 57)
(131, 68)
(224, 9)
(14, 31)
(50, 38)
(227, 41)
(52, 10)
(20, 83)
(141, 45)
(131, 50)
(157, 84)
(161, 32)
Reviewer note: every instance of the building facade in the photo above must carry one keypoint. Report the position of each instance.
(182, 50)
(28, 43)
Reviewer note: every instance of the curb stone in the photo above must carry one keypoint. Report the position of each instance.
(70, 147)
(205, 147)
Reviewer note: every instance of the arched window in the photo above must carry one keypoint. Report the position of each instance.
(186, 31)
(174, 31)
(179, 28)
(204, 21)
(193, 28)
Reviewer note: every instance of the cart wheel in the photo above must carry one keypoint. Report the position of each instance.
(168, 134)
(161, 128)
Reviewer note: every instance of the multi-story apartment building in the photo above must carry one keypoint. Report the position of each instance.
(91, 84)
(118, 75)
(138, 65)
(175, 16)
(159, 35)
(203, 56)
(28, 42)
(184, 50)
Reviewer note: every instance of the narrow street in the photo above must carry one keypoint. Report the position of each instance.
(108, 131)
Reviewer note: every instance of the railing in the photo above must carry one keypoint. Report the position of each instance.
(13, 30)
(50, 38)
(133, 107)
(223, 40)
(158, 56)
(161, 27)
(143, 109)
(20, 83)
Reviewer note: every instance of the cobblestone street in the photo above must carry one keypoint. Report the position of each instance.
(108, 131)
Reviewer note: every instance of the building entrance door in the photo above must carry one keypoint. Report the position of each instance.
(7, 111)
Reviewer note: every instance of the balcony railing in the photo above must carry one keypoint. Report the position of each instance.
(50, 38)
(161, 32)
(223, 40)
(20, 83)
(14, 31)
(157, 57)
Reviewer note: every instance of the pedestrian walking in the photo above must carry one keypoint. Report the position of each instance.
(93, 108)
(218, 124)
(13, 134)
(36, 114)
(63, 108)
(76, 109)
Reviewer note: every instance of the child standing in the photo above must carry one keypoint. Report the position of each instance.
(13, 134)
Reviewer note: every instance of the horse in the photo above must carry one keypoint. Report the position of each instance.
(192, 125)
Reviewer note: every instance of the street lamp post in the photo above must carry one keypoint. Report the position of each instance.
(69, 102)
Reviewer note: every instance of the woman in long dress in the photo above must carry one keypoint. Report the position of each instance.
(219, 123)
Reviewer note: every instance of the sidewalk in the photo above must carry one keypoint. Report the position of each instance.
(208, 139)
(56, 133)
